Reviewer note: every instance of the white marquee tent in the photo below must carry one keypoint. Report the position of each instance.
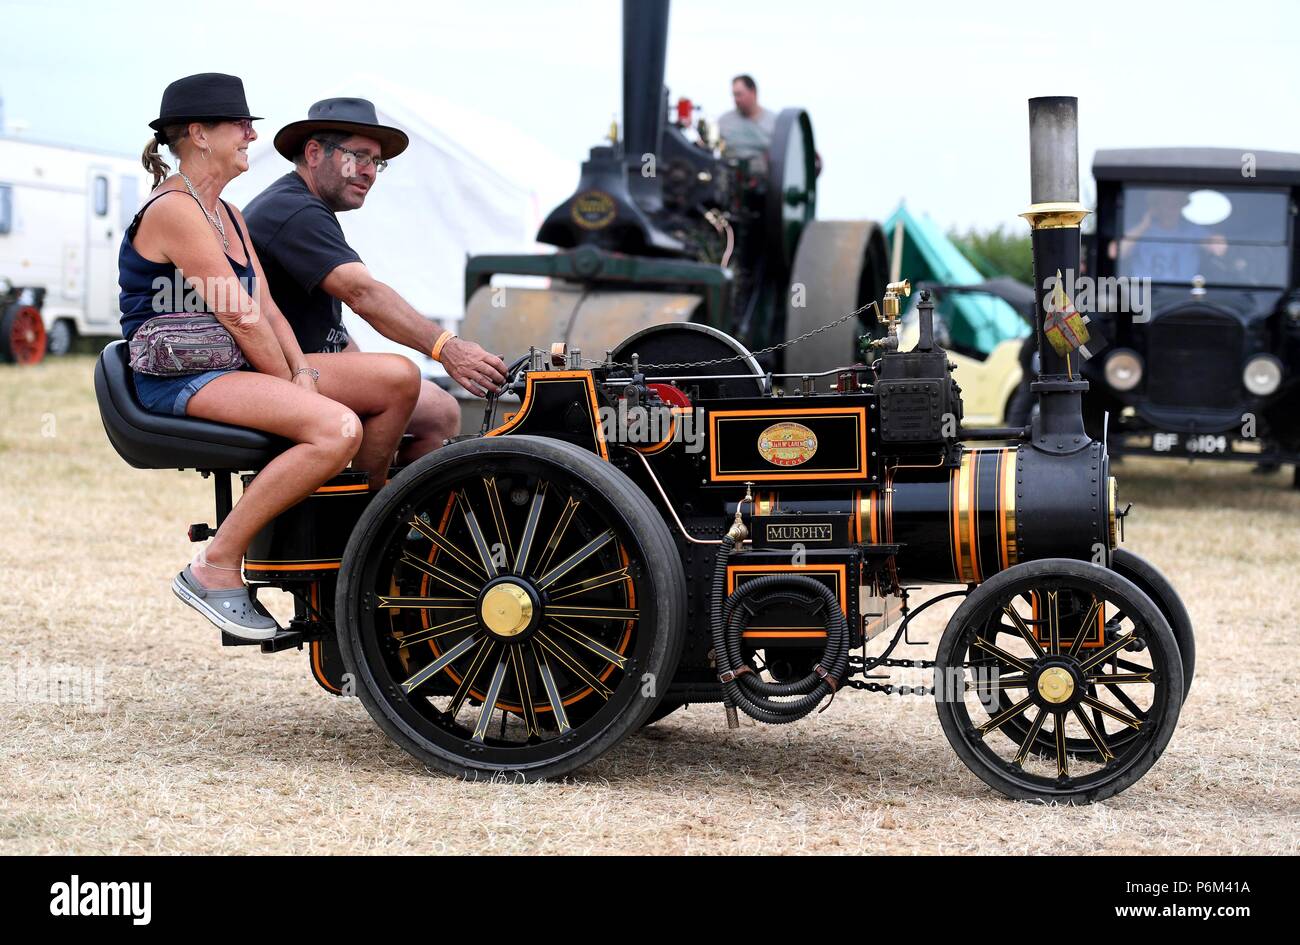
(468, 184)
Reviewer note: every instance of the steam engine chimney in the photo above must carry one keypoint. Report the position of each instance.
(1054, 216)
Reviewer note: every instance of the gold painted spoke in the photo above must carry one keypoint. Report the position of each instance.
(1005, 715)
(438, 665)
(525, 690)
(1120, 679)
(572, 664)
(1107, 651)
(592, 613)
(467, 681)
(557, 534)
(438, 630)
(530, 527)
(1062, 758)
(476, 534)
(1003, 655)
(998, 683)
(1053, 609)
(1035, 727)
(586, 642)
(575, 559)
(490, 700)
(424, 603)
(1114, 713)
(1098, 742)
(551, 689)
(499, 518)
(446, 577)
(1025, 632)
(1082, 635)
(590, 584)
(444, 544)
(1129, 704)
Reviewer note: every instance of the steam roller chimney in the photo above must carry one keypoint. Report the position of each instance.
(645, 52)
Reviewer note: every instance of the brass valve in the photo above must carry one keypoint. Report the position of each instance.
(894, 293)
(738, 532)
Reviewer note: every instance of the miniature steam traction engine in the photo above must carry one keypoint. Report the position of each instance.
(673, 525)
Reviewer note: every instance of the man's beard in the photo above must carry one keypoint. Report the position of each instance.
(336, 195)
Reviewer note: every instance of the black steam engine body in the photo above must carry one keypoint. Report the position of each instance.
(678, 526)
(668, 225)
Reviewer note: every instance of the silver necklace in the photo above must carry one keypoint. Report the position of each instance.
(213, 218)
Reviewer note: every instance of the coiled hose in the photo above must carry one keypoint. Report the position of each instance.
(741, 685)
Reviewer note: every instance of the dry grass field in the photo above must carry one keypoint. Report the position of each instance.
(199, 749)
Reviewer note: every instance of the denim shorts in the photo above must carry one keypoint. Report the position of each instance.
(171, 394)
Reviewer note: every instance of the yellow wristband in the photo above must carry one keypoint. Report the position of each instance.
(445, 337)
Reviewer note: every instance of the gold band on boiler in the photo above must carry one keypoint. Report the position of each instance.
(866, 517)
(1112, 516)
(1007, 527)
(969, 508)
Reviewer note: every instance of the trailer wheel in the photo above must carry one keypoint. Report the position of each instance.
(22, 334)
(60, 338)
(509, 605)
(1121, 698)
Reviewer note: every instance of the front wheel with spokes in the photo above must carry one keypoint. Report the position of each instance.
(1058, 680)
(510, 605)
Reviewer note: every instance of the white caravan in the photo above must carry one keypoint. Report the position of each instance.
(62, 214)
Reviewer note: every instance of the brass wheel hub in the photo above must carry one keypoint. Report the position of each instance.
(1055, 685)
(506, 609)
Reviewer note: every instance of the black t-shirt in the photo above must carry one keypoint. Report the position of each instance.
(299, 241)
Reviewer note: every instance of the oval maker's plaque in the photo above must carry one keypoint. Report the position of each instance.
(787, 444)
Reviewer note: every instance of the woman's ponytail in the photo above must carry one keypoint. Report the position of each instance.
(153, 162)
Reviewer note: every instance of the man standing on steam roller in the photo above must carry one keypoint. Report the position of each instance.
(338, 153)
(747, 129)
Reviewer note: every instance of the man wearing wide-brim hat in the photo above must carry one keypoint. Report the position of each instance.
(338, 152)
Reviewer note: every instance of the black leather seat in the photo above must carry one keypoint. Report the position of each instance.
(149, 440)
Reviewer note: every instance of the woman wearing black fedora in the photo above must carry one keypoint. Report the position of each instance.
(232, 357)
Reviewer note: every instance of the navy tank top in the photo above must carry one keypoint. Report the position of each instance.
(142, 280)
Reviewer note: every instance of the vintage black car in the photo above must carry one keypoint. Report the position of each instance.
(1201, 361)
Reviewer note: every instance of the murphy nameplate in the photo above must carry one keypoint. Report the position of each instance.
(783, 531)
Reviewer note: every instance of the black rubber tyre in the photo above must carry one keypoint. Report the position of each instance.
(664, 709)
(576, 665)
(1064, 777)
(1156, 586)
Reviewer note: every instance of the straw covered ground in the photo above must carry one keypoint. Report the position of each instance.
(181, 746)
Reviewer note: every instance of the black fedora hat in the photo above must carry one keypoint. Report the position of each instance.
(208, 96)
(352, 115)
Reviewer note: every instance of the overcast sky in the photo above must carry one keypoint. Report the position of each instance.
(922, 100)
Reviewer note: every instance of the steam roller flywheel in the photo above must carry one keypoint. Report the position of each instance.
(593, 321)
(840, 266)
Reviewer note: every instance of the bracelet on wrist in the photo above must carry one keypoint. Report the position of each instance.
(309, 371)
(438, 345)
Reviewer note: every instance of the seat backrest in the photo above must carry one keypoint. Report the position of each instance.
(149, 440)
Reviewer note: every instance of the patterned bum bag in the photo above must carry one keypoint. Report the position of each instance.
(183, 343)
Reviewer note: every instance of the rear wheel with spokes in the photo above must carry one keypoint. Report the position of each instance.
(1058, 680)
(510, 605)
